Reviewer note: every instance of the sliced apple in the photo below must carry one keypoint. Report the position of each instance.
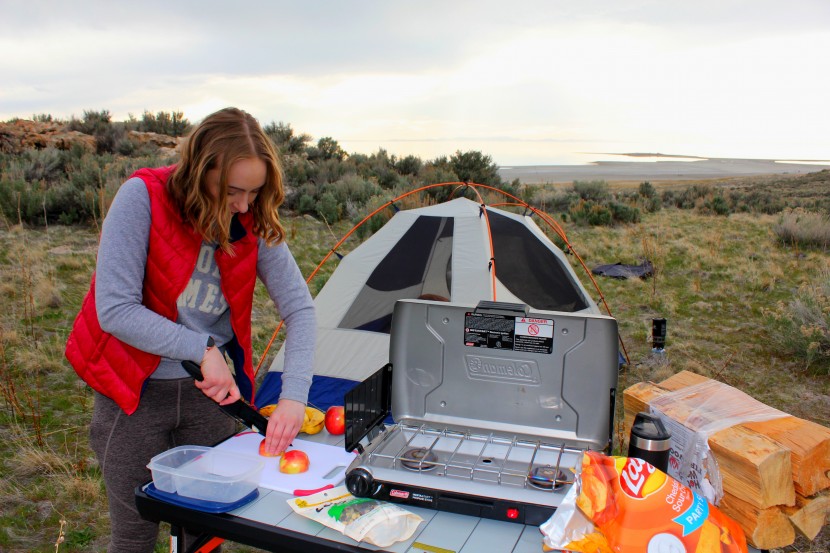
(294, 461)
(264, 452)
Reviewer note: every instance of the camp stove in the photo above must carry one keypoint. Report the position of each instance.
(491, 406)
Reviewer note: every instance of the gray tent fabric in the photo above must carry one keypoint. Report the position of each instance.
(438, 252)
(621, 271)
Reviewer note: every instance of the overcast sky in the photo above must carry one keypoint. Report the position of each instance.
(527, 82)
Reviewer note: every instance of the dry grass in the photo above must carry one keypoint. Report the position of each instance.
(804, 228)
(714, 276)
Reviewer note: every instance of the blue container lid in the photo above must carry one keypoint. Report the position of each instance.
(199, 504)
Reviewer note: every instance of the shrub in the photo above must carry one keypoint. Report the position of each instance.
(554, 199)
(92, 122)
(375, 223)
(326, 171)
(647, 190)
(591, 213)
(40, 203)
(409, 165)
(283, 137)
(109, 137)
(801, 327)
(46, 165)
(688, 197)
(718, 205)
(435, 172)
(99, 124)
(623, 213)
(328, 208)
(170, 123)
(328, 148)
(756, 201)
(297, 170)
(352, 187)
(602, 214)
(594, 191)
(653, 204)
(69, 186)
(649, 199)
(475, 167)
(306, 204)
(803, 228)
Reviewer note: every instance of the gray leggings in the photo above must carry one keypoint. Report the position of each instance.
(171, 413)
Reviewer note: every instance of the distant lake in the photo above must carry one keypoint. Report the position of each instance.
(657, 168)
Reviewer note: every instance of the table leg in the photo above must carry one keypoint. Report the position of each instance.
(204, 543)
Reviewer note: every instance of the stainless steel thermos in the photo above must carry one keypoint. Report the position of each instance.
(650, 441)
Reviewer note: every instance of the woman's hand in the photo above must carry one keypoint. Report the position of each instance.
(283, 425)
(218, 383)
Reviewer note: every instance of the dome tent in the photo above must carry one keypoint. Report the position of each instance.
(440, 252)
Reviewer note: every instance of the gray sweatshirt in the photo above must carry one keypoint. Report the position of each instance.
(202, 309)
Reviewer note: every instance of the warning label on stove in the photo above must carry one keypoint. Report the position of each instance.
(486, 330)
(534, 335)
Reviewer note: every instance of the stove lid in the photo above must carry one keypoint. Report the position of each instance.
(505, 368)
(366, 407)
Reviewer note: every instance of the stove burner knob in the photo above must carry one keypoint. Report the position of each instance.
(359, 482)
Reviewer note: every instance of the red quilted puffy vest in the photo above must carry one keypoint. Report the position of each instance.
(119, 370)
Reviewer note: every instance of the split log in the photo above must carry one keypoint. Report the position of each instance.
(765, 529)
(808, 442)
(753, 467)
(809, 514)
(810, 446)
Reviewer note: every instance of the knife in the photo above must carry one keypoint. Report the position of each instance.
(239, 409)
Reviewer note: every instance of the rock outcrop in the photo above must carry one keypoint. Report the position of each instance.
(21, 135)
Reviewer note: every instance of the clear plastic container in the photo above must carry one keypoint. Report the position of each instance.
(204, 473)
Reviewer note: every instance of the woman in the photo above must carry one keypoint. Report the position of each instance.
(180, 251)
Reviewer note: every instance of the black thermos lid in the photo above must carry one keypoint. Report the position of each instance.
(649, 434)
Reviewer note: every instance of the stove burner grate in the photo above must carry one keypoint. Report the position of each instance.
(419, 459)
(483, 458)
(547, 478)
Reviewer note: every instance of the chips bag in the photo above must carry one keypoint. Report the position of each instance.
(637, 507)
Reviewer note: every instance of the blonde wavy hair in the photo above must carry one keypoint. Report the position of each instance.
(220, 140)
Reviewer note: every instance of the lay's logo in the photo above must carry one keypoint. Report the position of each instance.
(638, 479)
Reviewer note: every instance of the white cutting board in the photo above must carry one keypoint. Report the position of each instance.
(327, 464)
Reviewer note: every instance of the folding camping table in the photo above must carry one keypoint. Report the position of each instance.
(269, 523)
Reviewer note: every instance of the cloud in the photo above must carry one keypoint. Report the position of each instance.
(708, 78)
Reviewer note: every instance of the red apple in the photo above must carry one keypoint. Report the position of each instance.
(336, 420)
(264, 452)
(294, 462)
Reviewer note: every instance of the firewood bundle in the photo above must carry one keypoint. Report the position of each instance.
(775, 473)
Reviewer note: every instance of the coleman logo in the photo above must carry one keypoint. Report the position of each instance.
(491, 368)
(639, 479)
(398, 493)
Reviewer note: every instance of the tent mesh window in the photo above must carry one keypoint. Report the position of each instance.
(530, 270)
(419, 265)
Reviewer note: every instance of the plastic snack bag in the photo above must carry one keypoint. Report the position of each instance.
(368, 520)
(570, 530)
(637, 507)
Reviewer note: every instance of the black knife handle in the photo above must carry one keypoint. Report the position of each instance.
(193, 369)
(239, 410)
